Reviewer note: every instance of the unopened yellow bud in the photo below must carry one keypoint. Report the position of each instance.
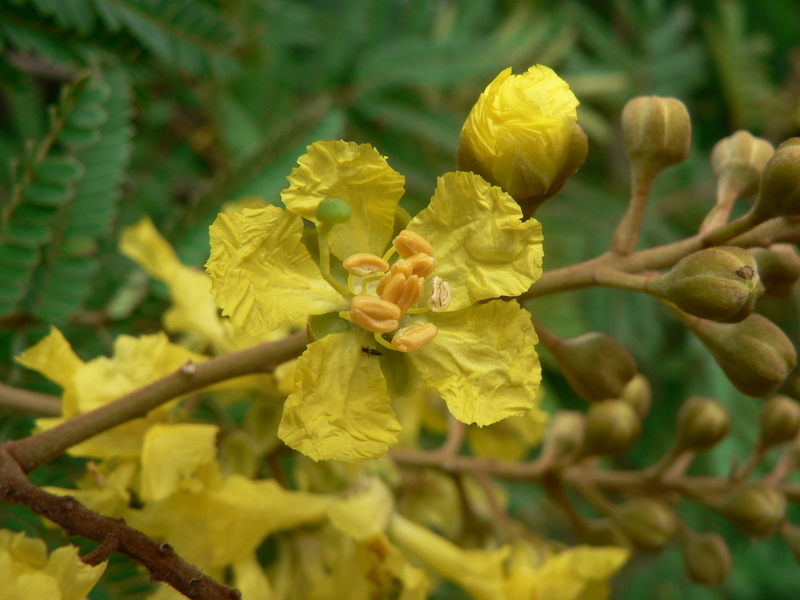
(656, 132)
(364, 264)
(639, 395)
(409, 243)
(706, 558)
(738, 161)
(596, 365)
(522, 135)
(755, 354)
(648, 523)
(612, 427)
(779, 193)
(564, 437)
(720, 284)
(755, 508)
(702, 424)
(778, 269)
(374, 314)
(780, 420)
(414, 337)
(440, 295)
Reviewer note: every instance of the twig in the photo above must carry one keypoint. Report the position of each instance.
(159, 558)
(30, 403)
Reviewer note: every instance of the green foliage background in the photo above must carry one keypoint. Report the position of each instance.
(111, 109)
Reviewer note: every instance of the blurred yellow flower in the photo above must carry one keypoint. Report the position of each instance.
(374, 340)
(522, 135)
(28, 573)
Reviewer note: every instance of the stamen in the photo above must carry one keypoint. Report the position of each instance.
(414, 337)
(364, 264)
(390, 287)
(383, 342)
(374, 314)
(440, 295)
(413, 288)
(421, 264)
(409, 243)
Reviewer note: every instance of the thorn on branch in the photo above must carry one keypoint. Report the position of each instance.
(102, 552)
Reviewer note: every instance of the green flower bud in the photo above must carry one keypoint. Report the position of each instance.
(706, 558)
(603, 532)
(656, 132)
(648, 523)
(755, 509)
(778, 269)
(738, 161)
(639, 395)
(564, 437)
(702, 424)
(334, 210)
(780, 420)
(755, 354)
(612, 427)
(596, 365)
(720, 284)
(779, 194)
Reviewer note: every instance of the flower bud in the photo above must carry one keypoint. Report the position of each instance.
(656, 132)
(522, 135)
(755, 354)
(603, 532)
(755, 509)
(564, 437)
(612, 427)
(639, 395)
(596, 365)
(702, 424)
(779, 193)
(648, 523)
(738, 161)
(778, 269)
(706, 558)
(780, 420)
(720, 284)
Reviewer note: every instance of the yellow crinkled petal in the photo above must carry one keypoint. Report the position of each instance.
(579, 573)
(194, 310)
(54, 358)
(482, 248)
(75, 577)
(511, 438)
(26, 572)
(136, 363)
(357, 174)
(365, 514)
(483, 361)
(340, 410)
(236, 517)
(251, 580)
(263, 276)
(178, 457)
(479, 572)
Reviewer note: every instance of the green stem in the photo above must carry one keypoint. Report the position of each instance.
(32, 452)
(627, 234)
(325, 259)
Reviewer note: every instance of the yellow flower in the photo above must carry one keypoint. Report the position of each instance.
(522, 135)
(89, 385)
(28, 573)
(392, 307)
(579, 573)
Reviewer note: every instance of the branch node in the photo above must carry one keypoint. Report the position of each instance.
(189, 368)
(102, 552)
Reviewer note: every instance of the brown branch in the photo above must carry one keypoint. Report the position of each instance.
(30, 403)
(159, 558)
(33, 451)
